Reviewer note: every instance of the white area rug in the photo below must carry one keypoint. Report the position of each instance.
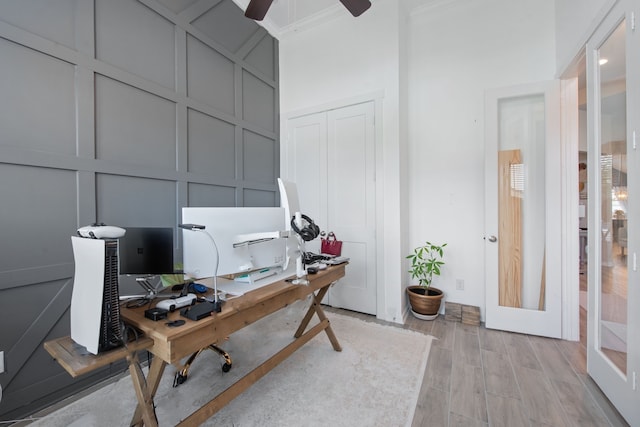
(374, 381)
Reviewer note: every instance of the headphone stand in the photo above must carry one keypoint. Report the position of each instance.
(302, 235)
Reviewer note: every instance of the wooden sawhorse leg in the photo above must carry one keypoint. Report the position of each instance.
(316, 308)
(145, 390)
(302, 337)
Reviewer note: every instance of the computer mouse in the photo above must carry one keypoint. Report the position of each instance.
(197, 287)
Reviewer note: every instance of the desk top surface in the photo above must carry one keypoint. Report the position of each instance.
(236, 313)
(73, 358)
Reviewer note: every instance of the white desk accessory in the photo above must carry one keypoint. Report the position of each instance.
(217, 303)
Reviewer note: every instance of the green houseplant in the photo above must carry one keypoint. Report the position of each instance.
(426, 262)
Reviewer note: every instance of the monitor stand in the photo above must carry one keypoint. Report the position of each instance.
(301, 272)
(152, 291)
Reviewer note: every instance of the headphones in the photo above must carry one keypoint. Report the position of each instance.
(308, 232)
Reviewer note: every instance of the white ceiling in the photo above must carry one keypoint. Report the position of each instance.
(285, 15)
(291, 15)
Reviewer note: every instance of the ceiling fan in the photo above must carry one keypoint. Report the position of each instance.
(257, 9)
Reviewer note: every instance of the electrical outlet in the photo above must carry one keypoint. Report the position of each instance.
(460, 284)
(1, 362)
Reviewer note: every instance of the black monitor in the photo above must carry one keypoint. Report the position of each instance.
(146, 251)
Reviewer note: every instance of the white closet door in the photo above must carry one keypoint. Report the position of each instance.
(331, 158)
(351, 203)
(306, 166)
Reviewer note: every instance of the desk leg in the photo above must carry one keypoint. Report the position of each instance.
(146, 390)
(317, 309)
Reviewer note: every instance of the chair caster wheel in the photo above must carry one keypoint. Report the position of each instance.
(179, 379)
(226, 367)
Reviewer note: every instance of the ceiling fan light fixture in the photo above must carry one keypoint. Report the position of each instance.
(356, 7)
(257, 9)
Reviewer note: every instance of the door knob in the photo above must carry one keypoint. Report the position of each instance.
(493, 239)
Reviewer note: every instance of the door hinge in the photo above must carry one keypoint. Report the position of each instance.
(635, 263)
(634, 382)
(633, 138)
(633, 21)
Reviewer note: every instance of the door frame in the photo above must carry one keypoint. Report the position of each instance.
(377, 98)
(569, 140)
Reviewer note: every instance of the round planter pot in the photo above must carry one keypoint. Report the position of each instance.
(425, 302)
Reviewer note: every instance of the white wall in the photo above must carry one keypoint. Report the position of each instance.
(458, 50)
(341, 60)
(575, 21)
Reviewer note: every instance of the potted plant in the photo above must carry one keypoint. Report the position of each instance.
(426, 262)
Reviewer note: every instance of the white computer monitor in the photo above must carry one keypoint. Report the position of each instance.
(226, 226)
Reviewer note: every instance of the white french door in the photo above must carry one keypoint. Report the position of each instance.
(613, 324)
(522, 209)
(331, 158)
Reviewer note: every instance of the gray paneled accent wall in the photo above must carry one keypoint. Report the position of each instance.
(122, 112)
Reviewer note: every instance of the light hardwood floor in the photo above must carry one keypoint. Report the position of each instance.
(482, 377)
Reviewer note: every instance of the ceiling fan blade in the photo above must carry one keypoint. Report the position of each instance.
(257, 9)
(356, 7)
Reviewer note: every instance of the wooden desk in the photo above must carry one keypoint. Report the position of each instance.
(170, 345)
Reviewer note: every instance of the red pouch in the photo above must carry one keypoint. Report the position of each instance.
(331, 245)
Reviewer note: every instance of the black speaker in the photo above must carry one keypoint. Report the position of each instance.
(309, 231)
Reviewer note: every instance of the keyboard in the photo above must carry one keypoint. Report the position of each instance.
(310, 257)
(337, 260)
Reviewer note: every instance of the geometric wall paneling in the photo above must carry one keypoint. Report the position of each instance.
(262, 57)
(21, 319)
(176, 6)
(39, 207)
(210, 76)
(36, 113)
(123, 112)
(226, 24)
(260, 158)
(128, 201)
(134, 126)
(132, 37)
(211, 146)
(49, 302)
(205, 195)
(52, 20)
(258, 102)
(57, 292)
(259, 198)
